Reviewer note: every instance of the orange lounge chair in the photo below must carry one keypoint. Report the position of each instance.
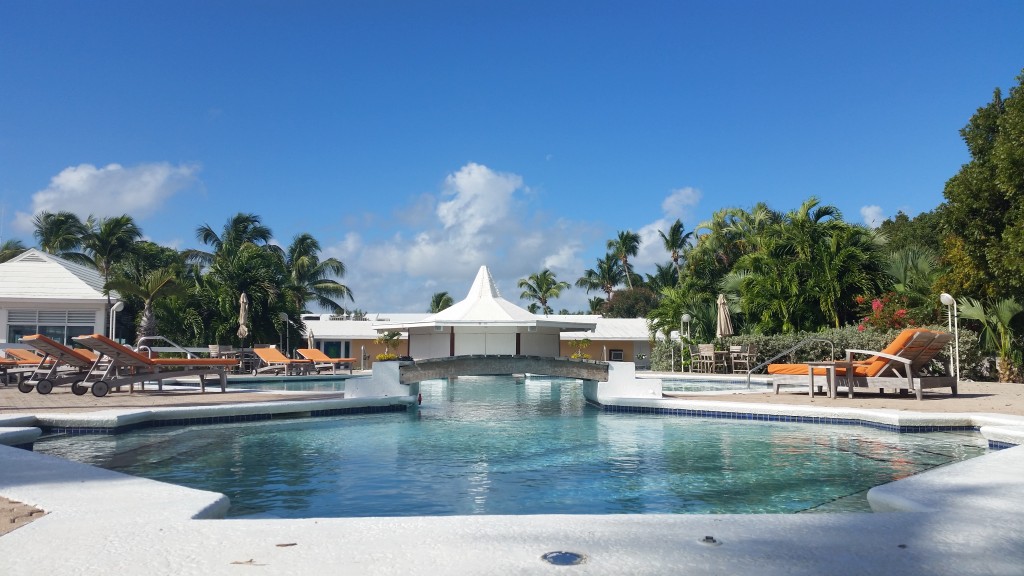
(324, 361)
(272, 360)
(127, 366)
(58, 365)
(795, 373)
(22, 356)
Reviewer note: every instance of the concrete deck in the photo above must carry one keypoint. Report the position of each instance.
(960, 519)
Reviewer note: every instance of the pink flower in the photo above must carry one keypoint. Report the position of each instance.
(860, 328)
(876, 305)
(901, 313)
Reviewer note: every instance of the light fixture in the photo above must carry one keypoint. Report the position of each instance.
(954, 327)
(117, 307)
(684, 320)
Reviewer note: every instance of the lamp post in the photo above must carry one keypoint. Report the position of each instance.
(284, 320)
(954, 327)
(113, 313)
(684, 320)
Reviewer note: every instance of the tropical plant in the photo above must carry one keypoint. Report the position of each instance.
(596, 304)
(156, 284)
(997, 333)
(605, 276)
(309, 278)
(107, 242)
(623, 247)
(541, 287)
(11, 249)
(665, 276)
(631, 303)
(389, 340)
(676, 242)
(579, 346)
(59, 233)
(440, 301)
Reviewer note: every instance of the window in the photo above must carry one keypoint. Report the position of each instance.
(59, 325)
(615, 355)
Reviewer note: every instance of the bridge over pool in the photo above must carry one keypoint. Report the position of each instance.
(487, 365)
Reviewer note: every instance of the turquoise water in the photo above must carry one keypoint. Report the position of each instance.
(691, 385)
(292, 383)
(495, 445)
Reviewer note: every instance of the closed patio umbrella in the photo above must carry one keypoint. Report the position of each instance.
(309, 339)
(243, 316)
(724, 320)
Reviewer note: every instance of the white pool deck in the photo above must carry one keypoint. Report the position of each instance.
(966, 518)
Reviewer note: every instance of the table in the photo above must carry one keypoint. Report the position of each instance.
(830, 376)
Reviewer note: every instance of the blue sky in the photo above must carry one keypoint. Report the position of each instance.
(420, 140)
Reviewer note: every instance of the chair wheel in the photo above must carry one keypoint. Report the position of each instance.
(25, 387)
(100, 388)
(255, 371)
(44, 386)
(77, 389)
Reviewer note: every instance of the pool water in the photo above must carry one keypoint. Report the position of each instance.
(498, 445)
(691, 385)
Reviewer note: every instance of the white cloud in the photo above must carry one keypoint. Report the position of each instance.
(679, 202)
(872, 215)
(481, 217)
(110, 191)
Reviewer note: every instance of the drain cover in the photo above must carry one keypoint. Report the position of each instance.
(561, 558)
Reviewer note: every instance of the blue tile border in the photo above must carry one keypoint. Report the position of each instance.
(997, 445)
(110, 430)
(781, 418)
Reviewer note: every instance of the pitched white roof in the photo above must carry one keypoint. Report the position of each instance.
(35, 275)
(483, 305)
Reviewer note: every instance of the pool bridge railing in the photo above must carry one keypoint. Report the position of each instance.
(490, 365)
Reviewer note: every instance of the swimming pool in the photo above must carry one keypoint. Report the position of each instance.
(292, 383)
(697, 385)
(496, 445)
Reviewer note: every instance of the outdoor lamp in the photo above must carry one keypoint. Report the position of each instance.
(113, 312)
(954, 327)
(686, 320)
(284, 320)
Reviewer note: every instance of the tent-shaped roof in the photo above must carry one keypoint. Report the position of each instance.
(484, 306)
(36, 275)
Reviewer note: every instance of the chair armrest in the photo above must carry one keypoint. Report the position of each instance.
(850, 352)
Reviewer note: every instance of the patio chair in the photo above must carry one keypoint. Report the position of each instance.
(323, 361)
(742, 357)
(271, 360)
(127, 367)
(695, 363)
(709, 359)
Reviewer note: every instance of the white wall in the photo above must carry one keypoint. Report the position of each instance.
(475, 340)
(429, 344)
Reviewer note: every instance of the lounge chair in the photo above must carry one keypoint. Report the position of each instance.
(126, 366)
(271, 360)
(23, 356)
(323, 361)
(58, 365)
(904, 372)
(897, 367)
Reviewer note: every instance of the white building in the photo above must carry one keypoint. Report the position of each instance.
(43, 294)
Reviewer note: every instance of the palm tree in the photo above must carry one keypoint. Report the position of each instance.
(156, 284)
(676, 241)
(596, 304)
(59, 233)
(240, 229)
(665, 276)
(439, 301)
(541, 287)
(606, 276)
(623, 246)
(997, 335)
(308, 277)
(11, 249)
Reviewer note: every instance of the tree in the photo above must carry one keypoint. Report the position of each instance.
(309, 278)
(541, 287)
(624, 246)
(106, 242)
(11, 249)
(440, 301)
(984, 206)
(676, 241)
(59, 233)
(157, 284)
(389, 340)
(631, 303)
(665, 276)
(605, 276)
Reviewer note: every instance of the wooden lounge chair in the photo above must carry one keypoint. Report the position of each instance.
(742, 357)
(16, 363)
(903, 372)
(323, 361)
(271, 360)
(895, 368)
(127, 366)
(58, 365)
